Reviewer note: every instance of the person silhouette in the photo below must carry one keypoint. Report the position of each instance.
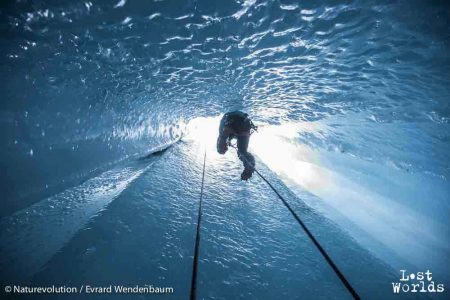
(237, 125)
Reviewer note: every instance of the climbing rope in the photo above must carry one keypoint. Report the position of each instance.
(310, 235)
(294, 214)
(314, 240)
(197, 238)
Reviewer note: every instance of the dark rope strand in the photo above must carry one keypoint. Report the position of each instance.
(311, 236)
(313, 239)
(197, 238)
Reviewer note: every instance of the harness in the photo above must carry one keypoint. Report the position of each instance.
(253, 129)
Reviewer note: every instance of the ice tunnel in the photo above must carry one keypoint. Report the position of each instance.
(109, 117)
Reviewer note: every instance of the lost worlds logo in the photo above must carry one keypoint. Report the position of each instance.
(419, 282)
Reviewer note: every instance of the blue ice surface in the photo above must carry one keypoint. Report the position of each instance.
(141, 230)
(354, 95)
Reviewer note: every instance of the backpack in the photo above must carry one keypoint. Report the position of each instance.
(238, 121)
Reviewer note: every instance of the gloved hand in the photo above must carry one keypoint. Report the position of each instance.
(222, 146)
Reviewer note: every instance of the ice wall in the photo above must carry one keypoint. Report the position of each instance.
(363, 84)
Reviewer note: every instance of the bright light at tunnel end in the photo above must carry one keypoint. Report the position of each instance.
(204, 130)
(273, 144)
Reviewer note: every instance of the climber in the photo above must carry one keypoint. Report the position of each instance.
(237, 125)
